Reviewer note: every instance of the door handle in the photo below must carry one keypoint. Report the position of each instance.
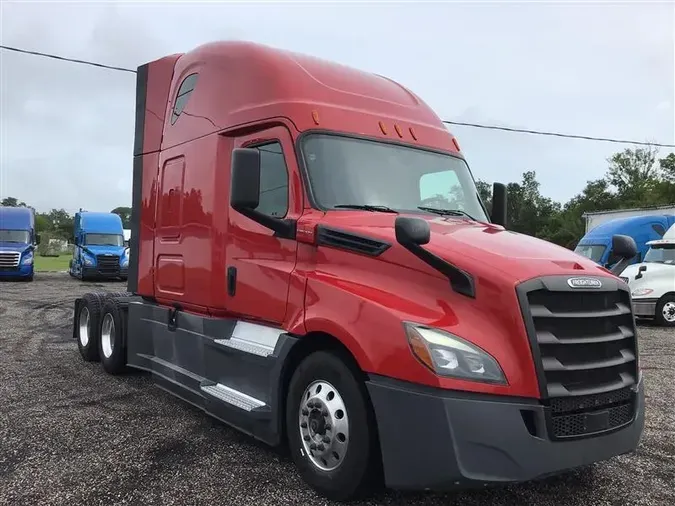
(231, 281)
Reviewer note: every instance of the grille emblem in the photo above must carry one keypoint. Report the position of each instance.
(584, 283)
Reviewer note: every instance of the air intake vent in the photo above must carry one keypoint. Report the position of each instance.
(349, 241)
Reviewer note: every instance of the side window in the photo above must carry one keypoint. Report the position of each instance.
(184, 92)
(441, 189)
(273, 181)
(659, 229)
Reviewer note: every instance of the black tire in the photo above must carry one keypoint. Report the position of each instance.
(113, 357)
(88, 345)
(357, 474)
(660, 306)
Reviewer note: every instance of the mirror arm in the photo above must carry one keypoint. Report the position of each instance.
(461, 281)
(282, 228)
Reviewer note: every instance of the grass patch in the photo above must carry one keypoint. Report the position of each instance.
(60, 263)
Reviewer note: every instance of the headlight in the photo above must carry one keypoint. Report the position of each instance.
(27, 258)
(87, 260)
(448, 355)
(641, 292)
(124, 261)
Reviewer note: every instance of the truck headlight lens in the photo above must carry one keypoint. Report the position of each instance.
(88, 261)
(125, 262)
(641, 292)
(27, 258)
(448, 355)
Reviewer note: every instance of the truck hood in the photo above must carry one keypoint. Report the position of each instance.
(14, 246)
(479, 248)
(654, 270)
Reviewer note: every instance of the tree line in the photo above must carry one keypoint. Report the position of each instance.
(634, 178)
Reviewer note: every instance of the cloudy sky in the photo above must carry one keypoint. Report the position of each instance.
(601, 69)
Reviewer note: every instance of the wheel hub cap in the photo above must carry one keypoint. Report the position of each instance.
(669, 311)
(324, 425)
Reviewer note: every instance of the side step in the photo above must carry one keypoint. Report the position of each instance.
(234, 397)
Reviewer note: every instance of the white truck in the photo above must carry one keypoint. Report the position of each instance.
(598, 217)
(652, 282)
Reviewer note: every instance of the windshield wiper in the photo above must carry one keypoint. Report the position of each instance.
(367, 207)
(447, 212)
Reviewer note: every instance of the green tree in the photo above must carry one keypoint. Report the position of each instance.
(62, 223)
(12, 202)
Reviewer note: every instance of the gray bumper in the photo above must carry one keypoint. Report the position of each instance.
(439, 440)
(644, 308)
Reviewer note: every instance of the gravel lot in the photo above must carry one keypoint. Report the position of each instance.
(70, 434)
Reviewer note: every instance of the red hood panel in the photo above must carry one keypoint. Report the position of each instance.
(478, 248)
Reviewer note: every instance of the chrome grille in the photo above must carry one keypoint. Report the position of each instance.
(585, 349)
(9, 259)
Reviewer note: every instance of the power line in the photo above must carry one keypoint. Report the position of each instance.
(63, 58)
(558, 134)
(457, 123)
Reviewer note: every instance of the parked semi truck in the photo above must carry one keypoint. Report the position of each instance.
(17, 242)
(652, 282)
(597, 243)
(311, 263)
(99, 251)
(595, 218)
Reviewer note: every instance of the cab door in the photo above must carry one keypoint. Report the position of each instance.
(259, 264)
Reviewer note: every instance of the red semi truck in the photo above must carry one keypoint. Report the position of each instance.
(311, 264)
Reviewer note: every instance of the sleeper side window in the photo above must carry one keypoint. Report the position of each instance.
(184, 91)
(273, 181)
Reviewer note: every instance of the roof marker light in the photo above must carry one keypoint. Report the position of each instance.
(315, 117)
(383, 128)
(398, 130)
(412, 133)
(454, 141)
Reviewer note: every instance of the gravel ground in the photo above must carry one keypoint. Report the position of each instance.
(70, 434)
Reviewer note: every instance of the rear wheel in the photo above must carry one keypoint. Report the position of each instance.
(88, 318)
(112, 346)
(330, 429)
(665, 311)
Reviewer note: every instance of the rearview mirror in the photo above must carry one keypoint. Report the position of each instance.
(412, 231)
(623, 247)
(498, 215)
(245, 179)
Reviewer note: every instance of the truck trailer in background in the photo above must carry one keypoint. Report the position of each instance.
(17, 242)
(99, 251)
(295, 273)
(598, 217)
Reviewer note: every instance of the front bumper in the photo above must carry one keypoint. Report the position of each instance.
(20, 271)
(95, 273)
(644, 308)
(434, 439)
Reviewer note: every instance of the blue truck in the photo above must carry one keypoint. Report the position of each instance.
(99, 251)
(17, 242)
(597, 243)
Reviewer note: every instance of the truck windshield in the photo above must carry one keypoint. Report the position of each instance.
(104, 240)
(664, 254)
(21, 236)
(591, 251)
(376, 176)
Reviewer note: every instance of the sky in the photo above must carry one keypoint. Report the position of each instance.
(603, 69)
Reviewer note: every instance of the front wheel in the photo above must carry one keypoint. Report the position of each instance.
(331, 432)
(665, 311)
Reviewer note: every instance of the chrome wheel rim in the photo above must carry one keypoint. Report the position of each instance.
(107, 335)
(324, 425)
(84, 326)
(669, 312)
